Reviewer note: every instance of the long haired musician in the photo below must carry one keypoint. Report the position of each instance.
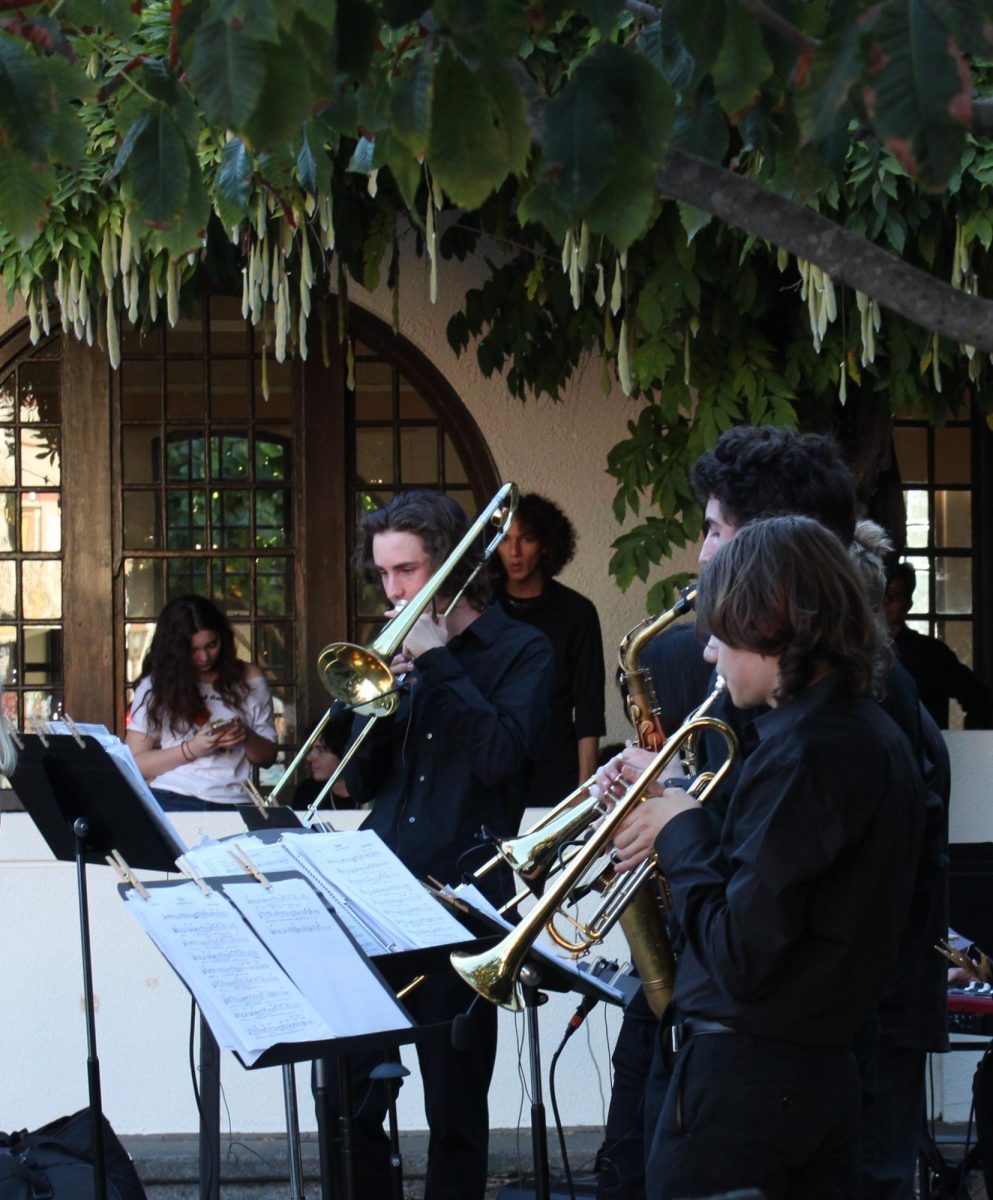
(451, 759)
(793, 913)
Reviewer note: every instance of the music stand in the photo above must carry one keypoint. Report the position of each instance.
(84, 808)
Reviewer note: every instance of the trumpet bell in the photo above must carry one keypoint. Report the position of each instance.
(532, 855)
(359, 678)
(491, 975)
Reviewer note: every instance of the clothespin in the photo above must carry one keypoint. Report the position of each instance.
(256, 797)
(445, 895)
(980, 969)
(39, 729)
(186, 868)
(14, 736)
(116, 860)
(246, 864)
(70, 724)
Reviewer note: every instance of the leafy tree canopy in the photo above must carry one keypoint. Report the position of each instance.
(720, 197)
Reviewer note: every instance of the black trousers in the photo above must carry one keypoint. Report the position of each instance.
(893, 1116)
(621, 1160)
(739, 1111)
(456, 1083)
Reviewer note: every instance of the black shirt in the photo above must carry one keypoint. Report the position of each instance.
(793, 914)
(576, 700)
(453, 757)
(940, 677)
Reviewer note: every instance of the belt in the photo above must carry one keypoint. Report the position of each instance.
(690, 1027)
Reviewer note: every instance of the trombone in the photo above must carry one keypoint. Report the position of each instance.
(359, 677)
(494, 973)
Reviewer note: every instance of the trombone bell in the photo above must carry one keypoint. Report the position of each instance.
(491, 974)
(359, 678)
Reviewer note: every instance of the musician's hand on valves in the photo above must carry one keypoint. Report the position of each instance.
(615, 777)
(634, 840)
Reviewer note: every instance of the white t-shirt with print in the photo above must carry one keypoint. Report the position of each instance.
(218, 777)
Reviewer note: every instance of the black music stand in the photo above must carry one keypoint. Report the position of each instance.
(84, 808)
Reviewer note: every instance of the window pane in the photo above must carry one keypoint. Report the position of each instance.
(141, 523)
(136, 342)
(41, 522)
(229, 456)
(229, 390)
(40, 457)
(42, 656)
(953, 455)
(274, 649)
(243, 642)
(186, 336)
(918, 523)
(7, 398)
(137, 639)
(373, 391)
(419, 456)
(958, 636)
(9, 671)
(454, 470)
(412, 404)
(186, 576)
(8, 588)
(229, 511)
(41, 581)
(228, 328)
(7, 476)
(922, 589)
(272, 519)
(911, 454)
(272, 456)
(953, 585)
(287, 723)
(185, 520)
(38, 392)
(185, 457)
(8, 521)
(184, 390)
(273, 586)
(280, 402)
(141, 391)
(231, 587)
(41, 705)
(144, 594)
(140, 453)
(953, 519)
(374, 456)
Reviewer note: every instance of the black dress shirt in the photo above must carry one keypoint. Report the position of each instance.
(941, 677)
(794, 913)
(453, 757)
(576, 703)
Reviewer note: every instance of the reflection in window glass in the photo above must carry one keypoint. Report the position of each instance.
(41, 584)
(8, 466)
(910, 443)
(274, 648)
(7, 399)
(454, 470)
(144, 595)
(374, 456)
(8, 521)
(186, 576)
(141, 527)
(41, 465)
(273, 586)
(41, 706)
(41, 522)
(38, 389)
(185, 520)
(953, 519)
(229, 519)
(229, 456)
(272, 455)
(137, 640)
(140, 454)
(419, 456)
(42, 664)
(229, 390)
(922, 588)
(918, 520)
(231, 585)
(957, 635)
(184, 391)
(953, 585)
(9, 670)
(952, 455)
(8, 588)
(185, 457)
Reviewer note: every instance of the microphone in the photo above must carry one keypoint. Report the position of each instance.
(586, 1006)
(462, 1027)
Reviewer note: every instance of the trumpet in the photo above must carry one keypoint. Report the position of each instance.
(359, 677)
(494, 973)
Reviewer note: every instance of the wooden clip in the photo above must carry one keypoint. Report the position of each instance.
(39, 729)
(246, 864)
(116, 860)
(256, 797)
(445, 895)
(12, 733)
(70, 724)
(186, 868)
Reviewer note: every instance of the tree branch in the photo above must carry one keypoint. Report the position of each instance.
(846, 257)
(778, 24)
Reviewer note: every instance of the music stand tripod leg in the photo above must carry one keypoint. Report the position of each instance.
(210, 1115)
(81, 830)
(293, 1132)
(392, 1073)
(533, 999)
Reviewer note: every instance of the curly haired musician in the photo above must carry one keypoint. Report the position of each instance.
(451, 759)
(791, 926)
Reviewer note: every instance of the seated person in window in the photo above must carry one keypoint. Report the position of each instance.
(322, 760)
(936, 670)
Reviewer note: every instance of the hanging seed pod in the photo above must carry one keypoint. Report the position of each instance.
(126, 245)
(107, 257)
(46, 324)
(624, 360)
(35, 329)
(350, 362)
(265, 371)
(575, 284)
(600, 295)
(373, 182)
(935, 364)
(584, 246)
(135, 296)
(567, 248)
(782, 258)
(172, 294)
(113, 333)
(432, 249)
(843, 384)
(616, 290)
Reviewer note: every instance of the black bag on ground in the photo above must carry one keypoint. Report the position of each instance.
(56, 1162)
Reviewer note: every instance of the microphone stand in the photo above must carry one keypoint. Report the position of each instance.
(533, 999)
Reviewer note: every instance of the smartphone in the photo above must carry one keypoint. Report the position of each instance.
(220, 723)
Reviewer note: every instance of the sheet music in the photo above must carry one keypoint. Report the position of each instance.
(213, 858)
(543, 946)
(294, 923)
(378, 887)
(247, 999)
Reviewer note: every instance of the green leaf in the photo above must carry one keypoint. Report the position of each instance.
(701, 27)
(27, 187)
(743, 64)
(701, 127)
(467, 153)
(227, 69)
(258, 15)
(159, 168)
(661, 45)
(284, 102)
(410, 103)
(693, 220)
(113, 16)
(234, 176)
(27, 114)
(484, 29)
(919, 98)
(623, 209)
(580, 147)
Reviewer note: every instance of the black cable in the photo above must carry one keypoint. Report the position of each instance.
(586, 1006)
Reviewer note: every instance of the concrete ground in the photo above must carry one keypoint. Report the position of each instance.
(255, 1167)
